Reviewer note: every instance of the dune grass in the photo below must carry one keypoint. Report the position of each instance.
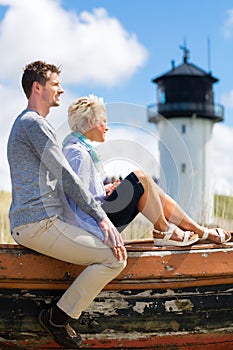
(223, 207)
(5, 200)
(139, 228)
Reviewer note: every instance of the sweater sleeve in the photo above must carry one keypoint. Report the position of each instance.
(44, 144)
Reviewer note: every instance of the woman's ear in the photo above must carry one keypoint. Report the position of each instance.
(90, 123)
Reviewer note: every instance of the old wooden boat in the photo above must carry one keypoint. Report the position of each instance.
(166, 298)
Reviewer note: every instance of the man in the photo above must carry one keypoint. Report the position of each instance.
(39, 174)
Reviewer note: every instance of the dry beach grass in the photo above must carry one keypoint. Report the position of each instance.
(140, 228)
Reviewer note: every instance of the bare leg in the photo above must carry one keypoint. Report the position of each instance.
(161, 209)
(176, 215)
(152, 203)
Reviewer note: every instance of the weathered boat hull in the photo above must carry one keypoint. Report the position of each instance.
(165, 299)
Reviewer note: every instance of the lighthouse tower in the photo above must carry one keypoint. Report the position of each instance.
(184, 114)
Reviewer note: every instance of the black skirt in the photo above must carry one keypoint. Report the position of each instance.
(121, 205)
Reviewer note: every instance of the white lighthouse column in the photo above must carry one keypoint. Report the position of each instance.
(185, 114)
(186, 169)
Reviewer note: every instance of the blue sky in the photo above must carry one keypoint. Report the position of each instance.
(113, 49)
(161, 27)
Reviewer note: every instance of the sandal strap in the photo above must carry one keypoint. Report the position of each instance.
(167, 241)
(167, 234)
(221, 234)
(205, 234)
(186, 236)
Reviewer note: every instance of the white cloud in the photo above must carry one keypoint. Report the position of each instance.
(227, 99)
(10, 100)
(228, 25)
(222, 159)
(91, 47)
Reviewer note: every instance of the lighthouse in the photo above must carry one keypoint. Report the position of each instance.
(184, 115)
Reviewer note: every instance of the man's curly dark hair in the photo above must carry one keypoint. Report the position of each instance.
(37, 71)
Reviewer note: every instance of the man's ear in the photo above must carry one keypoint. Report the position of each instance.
(36, 87)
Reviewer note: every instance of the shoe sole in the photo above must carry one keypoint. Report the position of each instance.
(171, 243)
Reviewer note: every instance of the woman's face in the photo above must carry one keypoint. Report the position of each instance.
(98, 131)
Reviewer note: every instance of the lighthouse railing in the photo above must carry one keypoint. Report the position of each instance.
(208, 110)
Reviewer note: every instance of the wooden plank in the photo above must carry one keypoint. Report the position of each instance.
(146, 268)
(176, 298)
(161, 319)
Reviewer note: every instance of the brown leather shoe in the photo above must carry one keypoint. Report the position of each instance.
(63, 335)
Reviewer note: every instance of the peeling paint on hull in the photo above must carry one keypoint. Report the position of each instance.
(149, 306)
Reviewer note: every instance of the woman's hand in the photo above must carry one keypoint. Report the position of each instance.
(113, 238)
(109, 188)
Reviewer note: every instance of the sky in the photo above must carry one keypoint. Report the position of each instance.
(113, 49)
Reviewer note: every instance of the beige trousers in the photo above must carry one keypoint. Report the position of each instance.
(72, 244)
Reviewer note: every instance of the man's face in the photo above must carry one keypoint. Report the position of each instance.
(52, 90)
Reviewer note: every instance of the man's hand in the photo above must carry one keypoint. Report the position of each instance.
(113, 238)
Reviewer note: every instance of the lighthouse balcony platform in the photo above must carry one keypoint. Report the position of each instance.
(214, 112)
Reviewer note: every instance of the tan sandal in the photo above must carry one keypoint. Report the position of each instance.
(167, 241)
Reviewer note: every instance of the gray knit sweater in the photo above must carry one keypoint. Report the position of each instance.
(39, 172)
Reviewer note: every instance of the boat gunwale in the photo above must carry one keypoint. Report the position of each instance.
(165, 267)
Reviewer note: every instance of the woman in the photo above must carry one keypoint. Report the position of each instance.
(122, 201)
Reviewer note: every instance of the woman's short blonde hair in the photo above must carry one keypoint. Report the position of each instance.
(84, 109)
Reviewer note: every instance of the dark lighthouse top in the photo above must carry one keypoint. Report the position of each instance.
(186, 91)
